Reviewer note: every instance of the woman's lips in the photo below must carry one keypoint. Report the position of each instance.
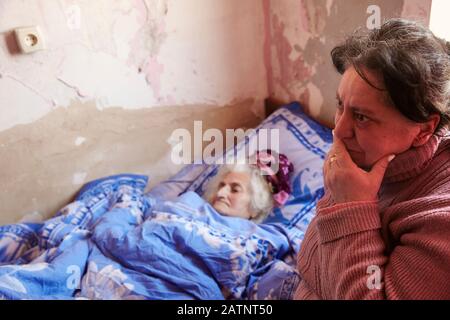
(222, 201)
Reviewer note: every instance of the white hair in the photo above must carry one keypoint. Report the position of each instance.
(261, 196)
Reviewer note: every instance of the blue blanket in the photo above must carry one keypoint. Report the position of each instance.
(115, 242)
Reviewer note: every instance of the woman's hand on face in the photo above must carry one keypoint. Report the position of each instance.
(346, 182)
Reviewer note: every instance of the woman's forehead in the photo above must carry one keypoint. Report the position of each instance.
(237, 177)
(358, 94)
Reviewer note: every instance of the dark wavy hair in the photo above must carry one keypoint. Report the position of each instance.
(413, 63)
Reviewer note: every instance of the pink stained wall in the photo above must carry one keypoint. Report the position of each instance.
(131, 54)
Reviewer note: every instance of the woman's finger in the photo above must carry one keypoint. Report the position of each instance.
(340, 151)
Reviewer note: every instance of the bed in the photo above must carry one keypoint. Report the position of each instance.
(116, 241)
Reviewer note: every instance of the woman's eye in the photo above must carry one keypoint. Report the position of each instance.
(339, 106)
(360, 117)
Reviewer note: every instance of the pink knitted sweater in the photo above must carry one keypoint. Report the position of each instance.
(395, 248)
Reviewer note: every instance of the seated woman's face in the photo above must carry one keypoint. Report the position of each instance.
(233, 196)
(369, 127)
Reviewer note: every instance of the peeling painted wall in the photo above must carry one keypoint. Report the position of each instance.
(131, 53)
(300, 35)
(116, 79)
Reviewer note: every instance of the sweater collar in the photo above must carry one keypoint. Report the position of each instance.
(412, 162)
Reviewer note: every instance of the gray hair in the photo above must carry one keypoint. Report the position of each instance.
(261, 196)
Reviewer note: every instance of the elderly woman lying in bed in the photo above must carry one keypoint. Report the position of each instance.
(189, 248)
(115, 242)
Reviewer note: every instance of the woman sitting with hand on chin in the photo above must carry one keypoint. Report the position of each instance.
(382, 230)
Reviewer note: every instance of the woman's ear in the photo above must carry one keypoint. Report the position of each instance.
(427, 129)
(253, 215)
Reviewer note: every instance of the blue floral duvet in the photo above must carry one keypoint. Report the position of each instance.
(115, 242)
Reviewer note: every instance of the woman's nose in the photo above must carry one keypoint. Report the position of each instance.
(343, 126)
(223, 191)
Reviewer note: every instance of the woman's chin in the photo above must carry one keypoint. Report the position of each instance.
(221, 208)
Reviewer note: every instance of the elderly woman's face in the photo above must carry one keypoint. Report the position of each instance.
(233, 195)
(369, 127)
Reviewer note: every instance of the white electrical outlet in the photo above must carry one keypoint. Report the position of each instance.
(29, 39)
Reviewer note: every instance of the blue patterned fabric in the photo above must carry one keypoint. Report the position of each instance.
(114, 242)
